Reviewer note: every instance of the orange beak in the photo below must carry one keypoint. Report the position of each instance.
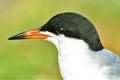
(32, 34)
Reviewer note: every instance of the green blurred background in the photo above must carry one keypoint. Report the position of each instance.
(37, 59)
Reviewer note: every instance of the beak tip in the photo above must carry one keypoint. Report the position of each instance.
(16, 37)
(10, 38)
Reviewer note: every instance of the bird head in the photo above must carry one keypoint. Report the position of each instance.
(70, 25)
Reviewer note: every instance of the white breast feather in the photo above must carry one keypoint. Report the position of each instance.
(75, 60)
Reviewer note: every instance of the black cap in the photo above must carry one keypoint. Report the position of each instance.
(76, 26)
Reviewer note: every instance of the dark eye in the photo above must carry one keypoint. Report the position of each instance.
(61, 30)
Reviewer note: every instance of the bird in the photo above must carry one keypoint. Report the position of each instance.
(81, 55)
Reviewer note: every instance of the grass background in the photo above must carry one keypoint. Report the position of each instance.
(37, 59)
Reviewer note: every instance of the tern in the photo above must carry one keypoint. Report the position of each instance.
(81, 55)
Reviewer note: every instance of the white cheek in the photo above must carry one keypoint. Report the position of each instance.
(53, 39)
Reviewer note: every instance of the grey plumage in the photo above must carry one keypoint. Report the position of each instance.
(110, 61)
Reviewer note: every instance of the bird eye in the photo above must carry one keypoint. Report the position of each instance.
(61, 30)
